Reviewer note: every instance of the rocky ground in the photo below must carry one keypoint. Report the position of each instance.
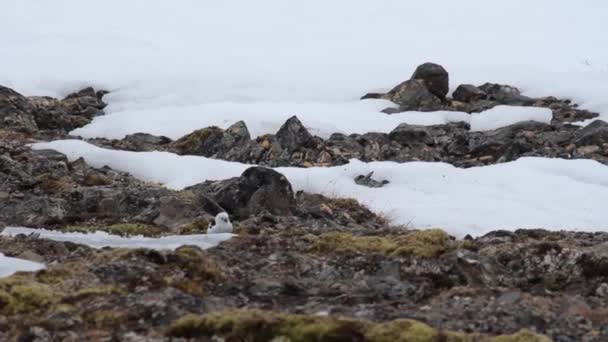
(303, 267)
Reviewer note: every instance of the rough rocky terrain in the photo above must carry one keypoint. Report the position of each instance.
(303, 267)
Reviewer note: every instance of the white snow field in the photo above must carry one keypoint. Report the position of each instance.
(9, 266)
(527, 193)
(102, 239)
(174, 66)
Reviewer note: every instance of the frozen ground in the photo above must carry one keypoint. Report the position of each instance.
(10, 265)
(103, 239)
(527, 193)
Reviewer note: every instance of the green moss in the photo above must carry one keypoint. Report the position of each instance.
(425, 243)
(259, 326)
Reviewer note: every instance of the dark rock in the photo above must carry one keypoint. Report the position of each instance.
(596, 133)
(372, 96)
(293, 135)
(411, 134)
(258, 189)
(468, 93)
(435, 77)
(506, 94)
(413, 95)
(368, 181)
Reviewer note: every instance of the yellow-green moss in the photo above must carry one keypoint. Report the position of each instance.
(121, 229)
(258, 326)
(425, 243)
(521, 336)
(27, 298)
(104, 290)
(411, 331)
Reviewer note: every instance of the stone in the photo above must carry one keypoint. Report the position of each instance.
(293, 135)
(257, 190)
(406, 134)
(596, 133)
(413, 95)
(435, 77)
(467, 93)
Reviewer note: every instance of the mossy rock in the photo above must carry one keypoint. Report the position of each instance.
(193, 142)
(424, 243)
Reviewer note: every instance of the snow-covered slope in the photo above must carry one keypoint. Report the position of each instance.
(527, 193)
(169, 61)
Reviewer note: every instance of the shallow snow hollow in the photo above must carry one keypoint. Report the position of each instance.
(527, 193)
(103, 239)
(9, 266)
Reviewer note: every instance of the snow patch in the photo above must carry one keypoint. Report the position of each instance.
(102, 239)
(527, 193)
(9, 266)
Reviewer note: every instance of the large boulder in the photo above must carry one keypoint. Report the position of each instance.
(293, 135)
(435, 77)
(257, 190)
(414, 95)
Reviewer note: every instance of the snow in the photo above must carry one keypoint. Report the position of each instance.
(9, 266)
(501, 116)
(176, 66)
(180, 65)
(527, 193)
(101, 239)
(321, 119)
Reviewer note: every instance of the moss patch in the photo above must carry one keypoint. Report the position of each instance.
(259, 326)
(21, 296)
(120, 229)
(425, 243)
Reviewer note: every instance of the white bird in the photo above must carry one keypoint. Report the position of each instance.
(222, 224)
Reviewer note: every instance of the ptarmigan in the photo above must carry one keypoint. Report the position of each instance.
(222, 224)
